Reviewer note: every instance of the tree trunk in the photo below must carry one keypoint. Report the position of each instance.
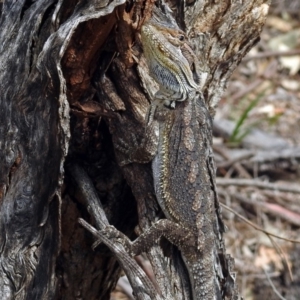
(70, 88)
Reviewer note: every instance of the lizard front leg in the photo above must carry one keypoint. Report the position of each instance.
(142, 151)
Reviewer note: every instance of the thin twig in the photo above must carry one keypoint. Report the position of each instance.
(272, 54)
(269, 71)
(258, 227)
(250, 87)
(282, 255)
(231, 161)
(271, 208)
(258, 184)
(236, 165)
(273, 286)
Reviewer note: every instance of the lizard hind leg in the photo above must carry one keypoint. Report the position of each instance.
(175, 233)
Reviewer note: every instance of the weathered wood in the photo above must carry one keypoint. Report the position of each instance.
(34, 142)
(57, 54)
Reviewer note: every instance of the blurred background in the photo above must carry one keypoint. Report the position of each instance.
(257, 152)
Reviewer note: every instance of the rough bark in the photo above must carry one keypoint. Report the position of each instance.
(57, 55)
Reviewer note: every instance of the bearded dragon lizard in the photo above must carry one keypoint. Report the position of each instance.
(183, 164)
(183, 167)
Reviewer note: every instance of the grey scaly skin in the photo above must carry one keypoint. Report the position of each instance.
(182, 171)
(183, 167)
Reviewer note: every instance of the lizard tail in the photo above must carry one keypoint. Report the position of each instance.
(203, 278)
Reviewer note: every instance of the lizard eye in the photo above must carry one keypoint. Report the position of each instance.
(181, 38)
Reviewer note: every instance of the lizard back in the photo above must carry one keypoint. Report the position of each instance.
(181, 166)
(185, 190)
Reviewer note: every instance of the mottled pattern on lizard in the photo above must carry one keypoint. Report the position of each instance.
(186, 193)
(183, 173)
(183, 169)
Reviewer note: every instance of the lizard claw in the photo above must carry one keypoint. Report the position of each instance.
(109, 231)
(118, 237)
(114, 235)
